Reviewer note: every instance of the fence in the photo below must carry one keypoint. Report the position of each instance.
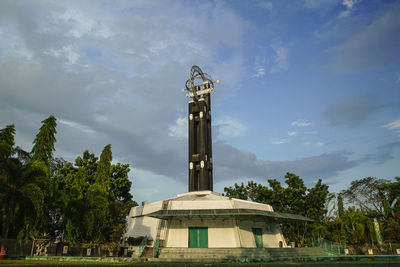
(365, 249)
(329, 246)
(17, 249)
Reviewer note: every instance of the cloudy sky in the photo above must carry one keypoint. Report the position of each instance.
(310, 87)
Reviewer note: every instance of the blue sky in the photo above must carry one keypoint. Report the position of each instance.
(310, 87)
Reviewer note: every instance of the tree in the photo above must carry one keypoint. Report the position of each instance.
(104, 167)
(83, 202)
(6, 143)
(102, 196)
(120, 201)
(43, 145)
(7, 169)
(238, 191)
(366, 195)
(23, 185)
(294, 198)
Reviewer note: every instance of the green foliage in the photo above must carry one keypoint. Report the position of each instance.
(43, 145)
(239, 191)
(366, 194)
(83, 202)
(104, 201)
(24, 190)
(294, 198)
(104, 167)
(6, 142)
(354, 208)
(340, 206)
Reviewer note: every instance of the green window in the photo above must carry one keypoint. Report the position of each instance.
(257, 232)
(198, 237)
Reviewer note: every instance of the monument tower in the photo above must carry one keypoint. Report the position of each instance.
(201, 218)
(198, 87)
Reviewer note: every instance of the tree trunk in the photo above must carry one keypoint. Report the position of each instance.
(10, 211)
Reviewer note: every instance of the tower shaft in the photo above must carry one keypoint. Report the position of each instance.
(200, 145)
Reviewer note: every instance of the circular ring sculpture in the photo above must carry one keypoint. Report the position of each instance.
(196, 80)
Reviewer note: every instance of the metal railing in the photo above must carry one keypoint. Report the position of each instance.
(155, 248)
(142, 245)
(329, 246)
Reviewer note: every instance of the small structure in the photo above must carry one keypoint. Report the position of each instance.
(202, 218)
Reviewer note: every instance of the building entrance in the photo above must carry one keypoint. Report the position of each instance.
(198, 237)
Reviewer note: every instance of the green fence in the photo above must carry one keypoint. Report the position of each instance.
(329, 246)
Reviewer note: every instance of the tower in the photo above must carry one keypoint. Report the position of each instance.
(199, 87)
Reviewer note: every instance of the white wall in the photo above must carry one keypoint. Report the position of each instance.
(270, 238)
(143, 226)
(221, 233)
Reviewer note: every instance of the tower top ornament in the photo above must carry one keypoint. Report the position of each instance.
(198, 84)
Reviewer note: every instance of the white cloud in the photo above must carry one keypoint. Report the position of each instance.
(316, 144)
(67, 52)
(265, 5)
(394, 125)
(260, 71)
(77, 126)
(280, 141)
(84, 24)
(349, 5)
(281, 61)
(102, 94)
(319, 144)
(226, 127)
(301, 123)
(259, 67)
(180, 128)
(292, 133)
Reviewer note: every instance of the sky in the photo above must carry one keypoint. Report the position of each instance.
(310, 87)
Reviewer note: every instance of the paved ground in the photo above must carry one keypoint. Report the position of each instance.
(369, 264)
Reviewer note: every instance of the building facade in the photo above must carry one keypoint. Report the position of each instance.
(205, 219)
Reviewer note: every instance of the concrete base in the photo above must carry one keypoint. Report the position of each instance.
(240, 253)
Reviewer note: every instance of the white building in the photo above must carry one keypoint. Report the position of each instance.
(205, 219)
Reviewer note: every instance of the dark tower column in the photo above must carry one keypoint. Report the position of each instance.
(200, 142)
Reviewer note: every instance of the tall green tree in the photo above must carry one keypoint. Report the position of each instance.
(366, 194)
(83, 202)
(98, 198)
(33, 186)
(43, 145)
(7, 169)
(104, 167)
(120, 201)
(24, 186)
(6, 143)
